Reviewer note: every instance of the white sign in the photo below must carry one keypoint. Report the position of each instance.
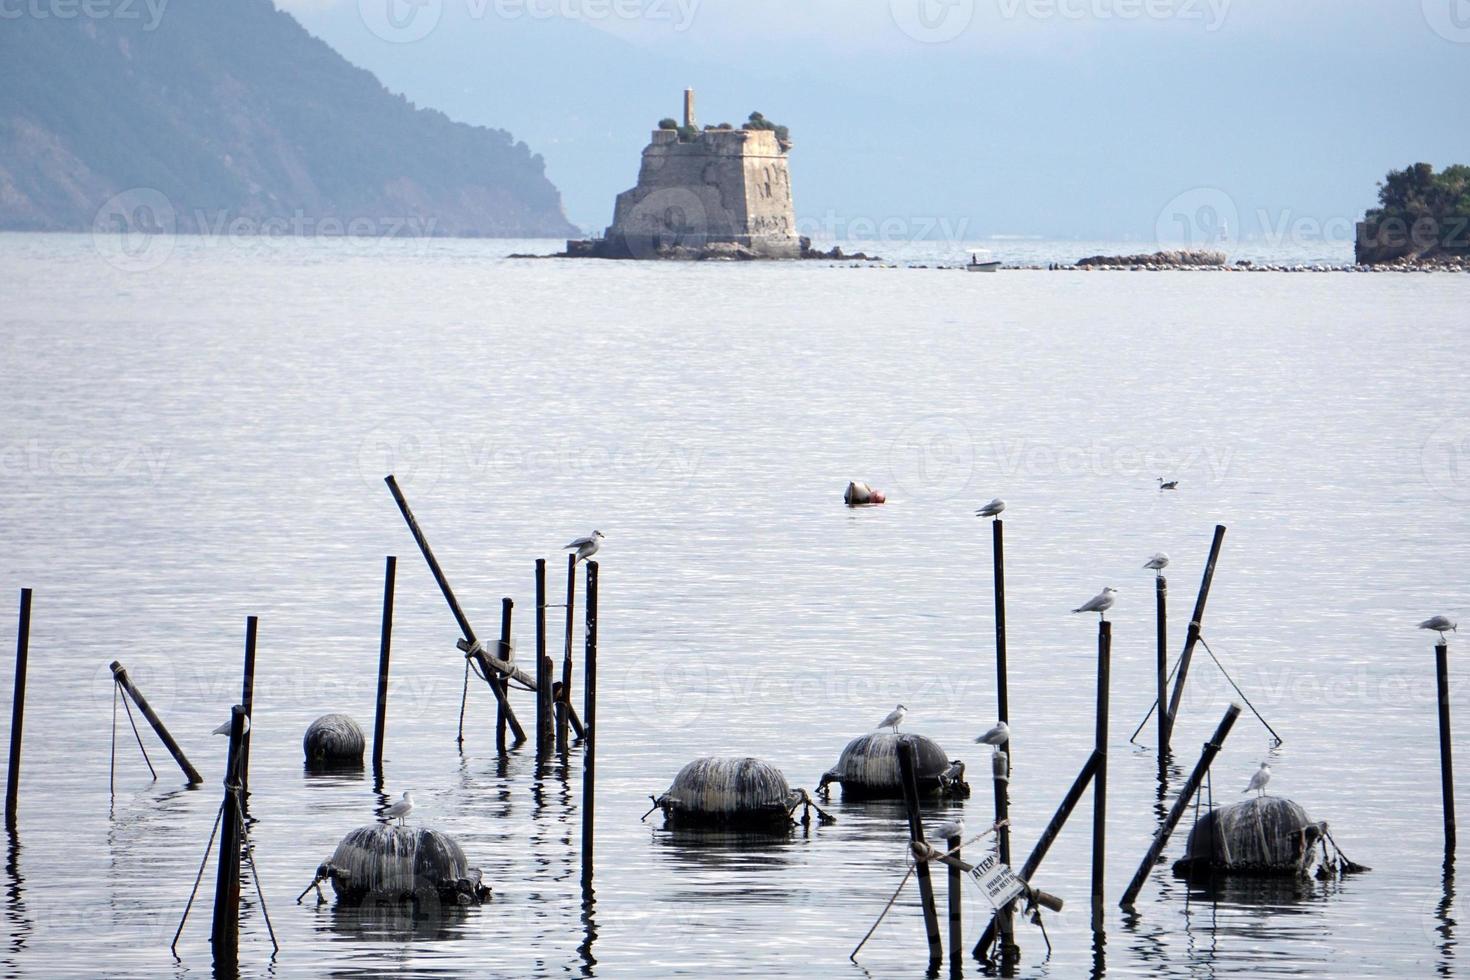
(997, 881)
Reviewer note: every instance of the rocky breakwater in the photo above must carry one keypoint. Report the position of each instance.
(1177, 259)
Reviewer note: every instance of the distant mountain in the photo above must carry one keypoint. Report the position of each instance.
(229, 111)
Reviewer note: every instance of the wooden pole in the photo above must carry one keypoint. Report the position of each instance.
(1045, 841)
(18, 709)
(497, 685)
(1100, 776)
(564, 702)
(1195, 623)
(908, 768)
(543, 664)
(956, 914)
(121, 675)
(1005, 922)
(1181, 802)
(589, 711)
(506, 608)
(385, 649)
(1446, 760)
(247, 699)
(224, 934)
(1161, 620)
(1001, 686)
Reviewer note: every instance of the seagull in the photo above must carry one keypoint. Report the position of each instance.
(225, 728)
(1440, 624)
(1168, 485)
(586, 547)
(1259, 780)
(991, 509)
(894, 718)
(947, 830)
(999, 735)
(1099, 603)
(400, 809)
(1158, 562)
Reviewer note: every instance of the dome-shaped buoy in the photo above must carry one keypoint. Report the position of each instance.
(384, 863)
(733, 792)
(859, 494)
(1267, 835)
(333, 740)
(868, 768)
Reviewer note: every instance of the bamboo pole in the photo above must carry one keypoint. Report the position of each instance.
(1446, 757)
(385, 648)
(189, 771)
(1191, 638)
(908, 768)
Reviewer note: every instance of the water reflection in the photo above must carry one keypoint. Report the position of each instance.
(15, 905)
(1446, 927)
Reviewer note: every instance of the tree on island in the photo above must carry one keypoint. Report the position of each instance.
(1421, 215)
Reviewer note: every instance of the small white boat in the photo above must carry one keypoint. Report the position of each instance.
(982, 265)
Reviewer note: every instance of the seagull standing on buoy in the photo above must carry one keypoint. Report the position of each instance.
(1440, 624)
(1157, 563)
(1259, 780)
(400, 809)
(894, 718)
(586, 547)
(999, 735)
(991, 509)
(1099, 603)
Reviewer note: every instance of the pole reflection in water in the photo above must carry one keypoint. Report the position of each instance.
(1446, 926)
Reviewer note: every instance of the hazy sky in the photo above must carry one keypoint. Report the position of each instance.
(1146, 119)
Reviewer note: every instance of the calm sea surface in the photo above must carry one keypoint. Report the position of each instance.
(193, 437)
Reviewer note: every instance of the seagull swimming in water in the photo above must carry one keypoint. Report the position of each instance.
(586, 547)
(1158, 562)
(991, 509)
(1259, 780)
(1440, 624)
(1168, 485)
(1099, 603)
(999, 735)
(894, 718)
(400, 809)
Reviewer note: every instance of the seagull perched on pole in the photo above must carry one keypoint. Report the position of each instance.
(225, 728)
(991, 509)
(1099, 603)
(586, 547)
(894, 718)
(999, 735)
(1259, 780)
(400, 809)
(1440, 624)
(1157, 563)
(946, 830)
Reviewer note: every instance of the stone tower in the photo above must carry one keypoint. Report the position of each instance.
(708, 194)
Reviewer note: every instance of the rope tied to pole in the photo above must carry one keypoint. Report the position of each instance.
(1236, 687)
